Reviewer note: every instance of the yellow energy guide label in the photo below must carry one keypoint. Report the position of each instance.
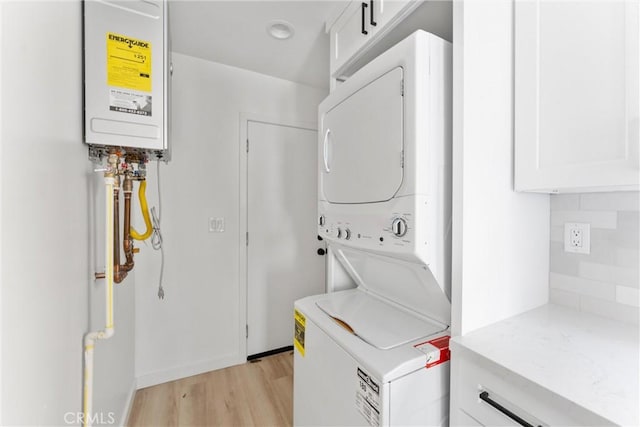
(298, 337)
(128, 63)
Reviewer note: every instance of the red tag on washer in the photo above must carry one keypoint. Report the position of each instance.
(436, 350)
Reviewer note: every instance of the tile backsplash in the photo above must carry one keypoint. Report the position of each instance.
(606, 281)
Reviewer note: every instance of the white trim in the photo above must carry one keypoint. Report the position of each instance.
(128, 404)
(1, 145)
(245, 118)
(172, 374)
(457, 169)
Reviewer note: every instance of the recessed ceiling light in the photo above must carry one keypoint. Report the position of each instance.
(280, 30)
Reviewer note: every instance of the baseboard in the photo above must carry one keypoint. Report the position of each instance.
(172, 374)
(129, 403)
(269, 353)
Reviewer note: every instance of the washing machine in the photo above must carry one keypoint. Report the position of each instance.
(360, 359)
(377, 354)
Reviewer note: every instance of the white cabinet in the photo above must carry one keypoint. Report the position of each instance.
(550, 366)
(577, 95)
(487, 394)
(359, 27)
(346, 35)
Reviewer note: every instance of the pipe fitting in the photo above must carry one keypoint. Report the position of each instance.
(127, 186)
(112, 165)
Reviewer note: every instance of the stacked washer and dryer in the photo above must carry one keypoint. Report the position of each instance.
(378, 354)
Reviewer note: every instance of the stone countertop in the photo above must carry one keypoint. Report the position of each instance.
(589, 360)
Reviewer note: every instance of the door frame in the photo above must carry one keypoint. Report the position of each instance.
(245, 119)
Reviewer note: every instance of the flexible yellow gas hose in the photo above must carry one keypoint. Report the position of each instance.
(142, 195)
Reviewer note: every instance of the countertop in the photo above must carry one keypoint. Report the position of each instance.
(587, 359)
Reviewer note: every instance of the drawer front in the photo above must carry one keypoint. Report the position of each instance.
(509, 399)
(461, 418)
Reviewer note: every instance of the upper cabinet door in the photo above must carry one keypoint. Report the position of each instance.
(362, 143)
(385, 10)
(360, 26)
(348, 34)
(577, 97)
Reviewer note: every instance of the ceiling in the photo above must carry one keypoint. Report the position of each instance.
(235, 33)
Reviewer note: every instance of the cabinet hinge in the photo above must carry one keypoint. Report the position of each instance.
(246, 331)
(402, 159)
(247, 145)
(402, 88)
(247, 238)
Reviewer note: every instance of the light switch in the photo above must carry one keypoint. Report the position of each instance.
(216, 225)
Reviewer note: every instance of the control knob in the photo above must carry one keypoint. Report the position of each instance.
(399, 227)
(347, 234)
(337, 233)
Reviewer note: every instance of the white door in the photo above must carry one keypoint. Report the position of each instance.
(283, 263)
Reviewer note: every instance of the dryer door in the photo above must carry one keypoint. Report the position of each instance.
(362, 143)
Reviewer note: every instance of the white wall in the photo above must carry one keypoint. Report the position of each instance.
(47, 223)
(196, 328)
(500, 238)
(606, 281)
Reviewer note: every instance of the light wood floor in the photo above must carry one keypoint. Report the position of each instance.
(253, 394)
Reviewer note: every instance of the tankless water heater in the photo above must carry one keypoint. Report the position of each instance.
(126, 76)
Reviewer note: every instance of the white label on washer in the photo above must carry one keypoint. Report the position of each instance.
(368, 398)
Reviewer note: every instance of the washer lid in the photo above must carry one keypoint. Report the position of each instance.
(410, 285)
(375, 321)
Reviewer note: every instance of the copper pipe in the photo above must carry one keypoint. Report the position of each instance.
(120, 270)
(118, 273)
(127, 241)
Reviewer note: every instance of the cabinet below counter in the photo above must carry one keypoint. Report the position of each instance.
(549, 366)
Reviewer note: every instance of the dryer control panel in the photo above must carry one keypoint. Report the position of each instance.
(387, 227)
(398, 228)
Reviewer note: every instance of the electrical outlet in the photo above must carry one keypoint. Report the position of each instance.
(577, 238)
